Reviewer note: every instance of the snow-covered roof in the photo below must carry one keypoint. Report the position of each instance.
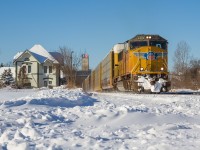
(41, 54)
(38, 49)
(17, 55)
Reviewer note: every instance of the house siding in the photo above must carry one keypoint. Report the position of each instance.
(37, 76)
(33, 63)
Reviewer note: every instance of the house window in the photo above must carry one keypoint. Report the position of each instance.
(45, 83)
(45, 69)
(29, 69)
(26, 59)
(50, 82)
(50, 69)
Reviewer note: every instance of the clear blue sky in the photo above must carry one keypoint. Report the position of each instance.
(95, 26)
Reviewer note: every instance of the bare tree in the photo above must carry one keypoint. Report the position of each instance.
(195, 67)
(181, 57)
(179, 78)
(186, 69)
(194, 73)
(71, 63)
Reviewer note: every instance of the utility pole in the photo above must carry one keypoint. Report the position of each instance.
(71, 59)
(71, 78)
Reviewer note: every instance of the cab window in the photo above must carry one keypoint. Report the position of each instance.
(159, 44)
(136, 44)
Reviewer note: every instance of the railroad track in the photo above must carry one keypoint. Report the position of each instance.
(161, 93)
(182, 93)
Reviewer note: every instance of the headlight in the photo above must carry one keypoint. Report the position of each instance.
(161, 68)
(141, 69)
(148, 37)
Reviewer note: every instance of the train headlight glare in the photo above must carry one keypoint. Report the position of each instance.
(162, 69)
(148, 37)
(141, 69)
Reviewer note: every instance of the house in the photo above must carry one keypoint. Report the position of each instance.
(37, 67)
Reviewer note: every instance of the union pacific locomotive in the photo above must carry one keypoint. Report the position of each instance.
(139, 64)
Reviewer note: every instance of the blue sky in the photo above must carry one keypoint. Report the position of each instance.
(95, 26)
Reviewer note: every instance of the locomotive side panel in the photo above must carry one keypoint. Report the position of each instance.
(121, 62)
(116, 65)
(118, 51)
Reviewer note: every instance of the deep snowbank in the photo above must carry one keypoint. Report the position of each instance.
(53, 98)
(70, 119)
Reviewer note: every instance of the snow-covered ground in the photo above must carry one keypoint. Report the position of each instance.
(59, 119)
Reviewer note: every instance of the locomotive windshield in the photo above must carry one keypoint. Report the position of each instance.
(159, 44)
(137, 44)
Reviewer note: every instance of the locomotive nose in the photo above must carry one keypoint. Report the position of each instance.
(155, 59)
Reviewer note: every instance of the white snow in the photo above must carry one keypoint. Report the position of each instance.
(17, 55)
(71, 119)
(38, 49)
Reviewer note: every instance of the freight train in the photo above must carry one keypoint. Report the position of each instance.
(139, 64)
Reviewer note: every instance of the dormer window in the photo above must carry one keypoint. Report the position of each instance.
(26, 59)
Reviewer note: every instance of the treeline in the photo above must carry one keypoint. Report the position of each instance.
(186, 71)
(9, 64)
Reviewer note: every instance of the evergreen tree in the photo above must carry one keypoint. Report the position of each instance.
(6, 77)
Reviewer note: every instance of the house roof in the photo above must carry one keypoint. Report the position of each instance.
(17, 55)
(40, 58)
(58, 56)
(42, 55)
(38, 49)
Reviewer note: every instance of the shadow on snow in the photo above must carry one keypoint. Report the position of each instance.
(82, 100)
(64, 102)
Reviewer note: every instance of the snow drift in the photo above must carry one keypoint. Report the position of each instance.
(71, 119)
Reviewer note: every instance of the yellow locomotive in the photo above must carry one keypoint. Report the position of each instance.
(139, 64)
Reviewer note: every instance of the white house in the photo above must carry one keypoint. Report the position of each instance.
(37, 67)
